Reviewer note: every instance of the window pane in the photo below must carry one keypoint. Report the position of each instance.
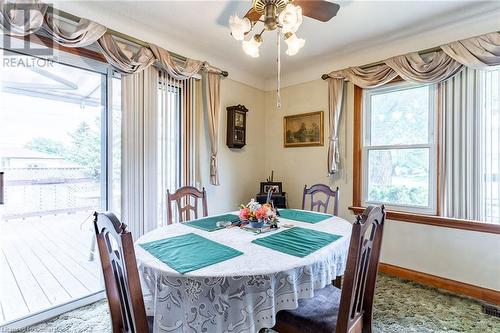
(399, 176)
(51, 150)
(169, 144)
(117, 145)
(490, 142)
(405, 112)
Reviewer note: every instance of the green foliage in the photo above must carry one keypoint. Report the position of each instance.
(47, 146)
(415, 195)
(84, 148)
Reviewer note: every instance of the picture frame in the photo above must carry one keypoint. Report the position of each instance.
(265, 186)
(304, 130)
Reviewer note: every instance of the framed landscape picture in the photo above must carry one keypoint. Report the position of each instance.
(303, 130)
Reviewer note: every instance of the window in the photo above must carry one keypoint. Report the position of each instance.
(450, 179)
(399, 147)
(169, 135)
(59, 143)
(115, 129)
(176, 142)
(489, 160)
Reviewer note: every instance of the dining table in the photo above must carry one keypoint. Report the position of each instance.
(201, 276)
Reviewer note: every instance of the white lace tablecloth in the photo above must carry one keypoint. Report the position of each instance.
(242, 294)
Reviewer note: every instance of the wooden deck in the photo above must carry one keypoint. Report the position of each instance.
(44, 262)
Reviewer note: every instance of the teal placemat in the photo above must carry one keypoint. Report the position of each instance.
(297, 241)
(189, 252)
(210, 223)
(302, 216)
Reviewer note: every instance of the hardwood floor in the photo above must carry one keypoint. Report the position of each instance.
(44, 262)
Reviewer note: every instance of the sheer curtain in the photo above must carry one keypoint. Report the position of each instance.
(470, 136)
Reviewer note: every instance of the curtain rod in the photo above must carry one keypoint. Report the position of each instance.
(126, 37)
(373, 64)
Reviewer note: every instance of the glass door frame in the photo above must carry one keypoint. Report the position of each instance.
(109, 74)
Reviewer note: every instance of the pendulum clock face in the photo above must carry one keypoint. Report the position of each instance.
(236, 126)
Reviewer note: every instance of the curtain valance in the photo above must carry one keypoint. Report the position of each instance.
(27, 17)
(477, 52)
(86, 32)
(23, 18)
(179, 72)
(124, 59)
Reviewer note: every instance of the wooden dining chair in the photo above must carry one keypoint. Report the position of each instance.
(319, 205)
(182, 197)
(121, 277)
(348, 310)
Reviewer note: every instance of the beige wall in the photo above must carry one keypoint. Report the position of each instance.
(466, 256)
(241, 170)
(296, 167)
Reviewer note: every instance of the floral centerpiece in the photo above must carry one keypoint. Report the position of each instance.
(257, 215)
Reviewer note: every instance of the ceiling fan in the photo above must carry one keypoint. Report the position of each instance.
(284, 15)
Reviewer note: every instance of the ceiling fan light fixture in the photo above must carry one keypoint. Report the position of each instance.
(294, 43)
(251, 47)
(290, 18)
(239, 26)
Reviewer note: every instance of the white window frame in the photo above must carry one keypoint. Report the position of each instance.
(431, 209)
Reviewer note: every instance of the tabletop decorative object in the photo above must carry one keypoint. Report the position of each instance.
(257, 215)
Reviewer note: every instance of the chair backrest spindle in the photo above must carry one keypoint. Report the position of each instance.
(182, 198)
(320, 205)
(356, 303)
(121, 277)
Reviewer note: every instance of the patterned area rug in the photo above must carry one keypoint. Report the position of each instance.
(400, 307)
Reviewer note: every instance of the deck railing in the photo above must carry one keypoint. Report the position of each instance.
(33, 192)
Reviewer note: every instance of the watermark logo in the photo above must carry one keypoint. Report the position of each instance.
(22, 16)
(28, 62)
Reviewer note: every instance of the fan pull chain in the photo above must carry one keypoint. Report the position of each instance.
(278, 81)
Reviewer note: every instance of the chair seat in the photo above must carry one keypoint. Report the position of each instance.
(314, 315)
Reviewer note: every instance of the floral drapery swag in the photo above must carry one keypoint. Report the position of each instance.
(478, 52)
(21, 18)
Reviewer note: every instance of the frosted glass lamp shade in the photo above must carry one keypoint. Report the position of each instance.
(239, 26)
(290, 18)
(251, 47)
(294, 44)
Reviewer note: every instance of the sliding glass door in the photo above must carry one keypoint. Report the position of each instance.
(58, 133)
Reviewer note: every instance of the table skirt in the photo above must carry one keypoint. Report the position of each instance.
(235, 303)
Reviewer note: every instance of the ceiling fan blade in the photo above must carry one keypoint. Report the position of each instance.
(253, 15)
(320, 10)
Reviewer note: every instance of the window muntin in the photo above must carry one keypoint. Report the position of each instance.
(399, 153)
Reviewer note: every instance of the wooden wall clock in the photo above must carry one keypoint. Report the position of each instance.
(236, 126)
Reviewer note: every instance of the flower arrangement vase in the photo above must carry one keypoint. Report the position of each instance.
(256, 223)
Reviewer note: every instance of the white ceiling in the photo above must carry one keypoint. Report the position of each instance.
(361, 31)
